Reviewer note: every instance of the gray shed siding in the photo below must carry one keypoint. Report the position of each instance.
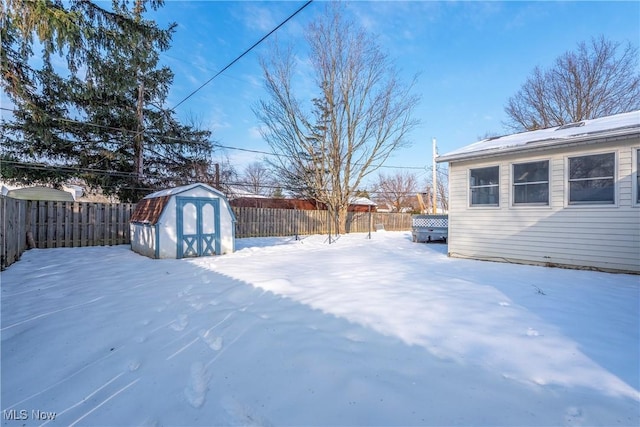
(603, 237)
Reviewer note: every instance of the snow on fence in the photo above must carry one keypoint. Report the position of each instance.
(47, 224)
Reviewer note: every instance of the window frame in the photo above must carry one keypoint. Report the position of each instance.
(470, 203)
(513, 185)
(591, 204)
(635, 176)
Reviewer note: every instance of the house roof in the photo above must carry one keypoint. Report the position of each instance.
(605, 128)
(40, 193)
(362, 201)
(300, 204)
(237, 192)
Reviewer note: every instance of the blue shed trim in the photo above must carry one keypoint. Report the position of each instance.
(200, 243)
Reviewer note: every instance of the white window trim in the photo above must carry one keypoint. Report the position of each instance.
(472, 206)
(512, 194)
(634, 176)
(616, 180)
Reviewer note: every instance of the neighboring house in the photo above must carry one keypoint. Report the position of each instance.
(358, 204)
(78, 189)
(565, 196)
(189, 221)
(39, 193)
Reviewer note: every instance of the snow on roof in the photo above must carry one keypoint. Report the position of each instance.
(178, 190)
(611, 126)
(237, 192)
(40, 193)
(362, 201)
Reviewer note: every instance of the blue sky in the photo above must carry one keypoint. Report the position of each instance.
(471, 57)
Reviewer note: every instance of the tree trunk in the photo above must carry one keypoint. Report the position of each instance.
(342, 215)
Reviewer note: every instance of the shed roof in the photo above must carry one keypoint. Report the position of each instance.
(616, 126)
(149, 209)
(182, 189)
(40, 193)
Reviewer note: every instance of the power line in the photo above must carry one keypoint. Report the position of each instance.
(214, 144)
(242, 54)
(231, 182)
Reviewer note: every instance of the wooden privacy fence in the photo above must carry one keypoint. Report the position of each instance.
(48, 224)
(263, 222)
(41, 224)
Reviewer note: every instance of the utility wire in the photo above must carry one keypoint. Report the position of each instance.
(242, 54)
(231, 182)
(171, 138)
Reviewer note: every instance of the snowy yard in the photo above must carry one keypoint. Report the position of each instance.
(292, 333)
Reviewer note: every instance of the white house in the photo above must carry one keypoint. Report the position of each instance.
(565, 196)
(189, 221)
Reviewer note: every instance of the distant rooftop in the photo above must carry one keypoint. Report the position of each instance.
(618, 125)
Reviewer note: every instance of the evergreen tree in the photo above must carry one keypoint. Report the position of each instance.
(102, 118)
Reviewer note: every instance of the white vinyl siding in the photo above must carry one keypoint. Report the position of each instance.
(553, 234)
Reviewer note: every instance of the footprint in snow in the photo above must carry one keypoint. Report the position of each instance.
(242, 415)
(196, 303)
(196, 390)
(532, 332)
(214, 343)
(573, 416)
(185, 292)
(180, 323)
(151, 422)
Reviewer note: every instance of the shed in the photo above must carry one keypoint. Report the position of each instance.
(564, 196)
(189, 221)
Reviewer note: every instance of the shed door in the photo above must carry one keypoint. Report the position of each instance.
(198, 224)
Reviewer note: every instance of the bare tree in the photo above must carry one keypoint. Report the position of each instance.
(398, 190)
(256, 178)
(442, 188)
(442, 191)
(357, 114)
(599, 79)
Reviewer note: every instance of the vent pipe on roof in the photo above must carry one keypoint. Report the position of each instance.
(571, 125)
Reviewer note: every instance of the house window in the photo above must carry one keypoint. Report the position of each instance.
(591, 179)
(531, 183)
(484, 186)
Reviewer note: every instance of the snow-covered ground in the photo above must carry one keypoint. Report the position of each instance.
(296, 333)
